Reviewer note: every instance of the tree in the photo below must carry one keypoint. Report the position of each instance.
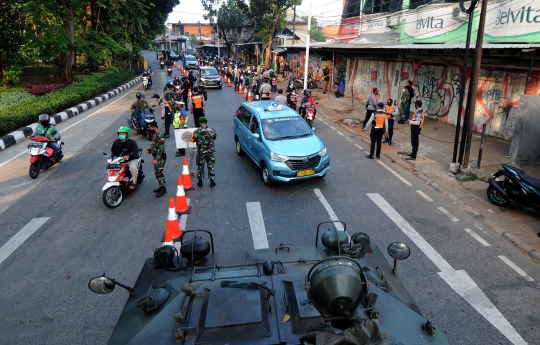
(315, 32)
(229, 15)
(12, 28)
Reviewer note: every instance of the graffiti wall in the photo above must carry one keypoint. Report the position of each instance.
(315, 67)
(438, 86)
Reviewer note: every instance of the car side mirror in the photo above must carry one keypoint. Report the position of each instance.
(256, 136)
(313, 129)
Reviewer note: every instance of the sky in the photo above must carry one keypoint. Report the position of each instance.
(327, 12)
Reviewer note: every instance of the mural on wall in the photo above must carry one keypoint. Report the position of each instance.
(315, 66)
(438, 85)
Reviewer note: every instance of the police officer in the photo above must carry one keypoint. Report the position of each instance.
(391, 111)
(379, 128)
(197, 105)
(416, 123)
(204, 138)
(157, 149)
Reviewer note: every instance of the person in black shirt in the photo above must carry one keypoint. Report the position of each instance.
(123, 146)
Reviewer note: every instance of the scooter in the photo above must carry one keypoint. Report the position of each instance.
(118, 180)
(169, 70)
(292, 99)
(255, 91)
(145, 83)
(161, 64)
(309, 113)
(178, 93)
(511, 185)
(40, 155)
(139, 121)
(274, 84)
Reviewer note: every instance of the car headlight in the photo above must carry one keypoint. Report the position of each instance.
(278, 158)
(322, 152)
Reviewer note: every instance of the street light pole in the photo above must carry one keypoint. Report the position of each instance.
(307, 47)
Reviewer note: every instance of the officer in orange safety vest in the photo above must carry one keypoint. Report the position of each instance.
(197, 105)
(379, 128)
(391, 111)
(416, 123)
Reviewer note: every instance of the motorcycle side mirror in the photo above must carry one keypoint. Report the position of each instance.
(398, 251)
(103, 285)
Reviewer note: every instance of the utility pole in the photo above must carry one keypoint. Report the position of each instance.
(293, 24)
(473, 90)
(306, 63)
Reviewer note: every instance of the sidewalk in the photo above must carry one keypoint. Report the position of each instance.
(518, 225)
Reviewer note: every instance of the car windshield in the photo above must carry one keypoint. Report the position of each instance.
(208, 71)
(283, 128)
(191, 59)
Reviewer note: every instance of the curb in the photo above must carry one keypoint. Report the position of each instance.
(18, 136)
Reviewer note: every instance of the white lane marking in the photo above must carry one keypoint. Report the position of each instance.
(395, 174)
(478, 238)
(333, 128)
(458, 280)
(256, 222)
(360, 147)
(340, 133)
(349, 139)
(7, 249)
(65, 129)
(326, 123)
(328, 208)
(424, 195)
(454, 219)
(366, 152)
(516, 268)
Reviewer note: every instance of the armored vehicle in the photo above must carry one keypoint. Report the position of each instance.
(342, 290)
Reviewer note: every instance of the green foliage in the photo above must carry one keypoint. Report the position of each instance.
(9, 98)
(86, 87)
(13, 75)
(317, 35)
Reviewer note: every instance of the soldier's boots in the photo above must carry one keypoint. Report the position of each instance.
(161, 192)
(157, 190)
(199, 183)
(212, 184)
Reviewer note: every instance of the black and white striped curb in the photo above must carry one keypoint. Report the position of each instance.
(18, 136)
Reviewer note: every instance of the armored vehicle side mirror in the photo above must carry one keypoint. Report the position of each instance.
(399, 251)
(103, 285)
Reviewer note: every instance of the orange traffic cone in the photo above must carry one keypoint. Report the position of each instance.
(172, 230)
(270, 94)
(245, 91)
(179, 67)
(225, 79)
(250, 96)
(174, 64)
(229, 82)
(181, 201)
(240, 90)
(186, 178)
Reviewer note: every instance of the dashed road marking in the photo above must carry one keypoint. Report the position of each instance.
(516, 268)
(15, 242)
(333, 128)
(326, 123)
(328, 208)
(454, 219)
(349, 139)
(458, 280)
(360, 147)
(395, 173)
(340, 133)
(477, 237)
(256, 222)
(424, 195)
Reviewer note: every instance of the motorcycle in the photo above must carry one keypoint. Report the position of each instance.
(311, 84)
(145, 82)
(309, 113)
(118, 180)
(292, 99)
(161, 64)
(274, 84)
(40, 154)
(255, 91)
(178, 93)
(169, 70)
(139, 121)
(511, 185)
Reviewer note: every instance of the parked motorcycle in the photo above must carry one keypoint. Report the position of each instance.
(511, 185)
(139, 121)
(169, 70)
(118, 180)
(40, 155)
(309, 113)
(311, 84)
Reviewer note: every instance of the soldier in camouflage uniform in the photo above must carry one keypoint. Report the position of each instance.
(204, 137)
(157, 149)
(405, 103)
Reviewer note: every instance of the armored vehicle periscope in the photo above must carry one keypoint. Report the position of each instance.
(340, 291)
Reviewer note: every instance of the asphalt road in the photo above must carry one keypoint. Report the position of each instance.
(466, 287)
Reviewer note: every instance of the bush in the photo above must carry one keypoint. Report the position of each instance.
(13, 75)
(9, 98)
(25, 112)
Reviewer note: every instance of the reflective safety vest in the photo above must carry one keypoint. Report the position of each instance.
(379, 118)
(389, 110)
(180, 119)
(421, 113)
(197, 101)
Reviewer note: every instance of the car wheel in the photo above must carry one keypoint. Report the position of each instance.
(265, 174)
(239, 150)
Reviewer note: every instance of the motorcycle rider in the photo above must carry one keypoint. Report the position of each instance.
(138, 107)
(47, 129)
(290, 91)
(307, 99)
(148, 73)
(265, 90)
(130, 151)
(176, 80)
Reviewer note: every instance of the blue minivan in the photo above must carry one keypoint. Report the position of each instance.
(280, 142)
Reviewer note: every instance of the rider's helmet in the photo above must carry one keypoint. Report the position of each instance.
(307, 91)
(140, 96)
(255, 73)
(169, 81)
(176, 77)
(389, 101)
(123, 129)
(266, 80)
(169, 85)
(44, 119)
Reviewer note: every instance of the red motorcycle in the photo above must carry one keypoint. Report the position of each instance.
(274, 84)
(309, 113)
(40, 154)
(118, 180)
(292, 98)
(178, 93)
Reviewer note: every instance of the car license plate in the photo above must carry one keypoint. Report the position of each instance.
(305, 172)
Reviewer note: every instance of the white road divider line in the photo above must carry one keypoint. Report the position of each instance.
(360, 147)
(334, 128)
(328, 208)
(256, 222)
(454, 219)
(458, 280)
(340, 133)
(349, 139)
(478, 238)
(326, 123)
(395, 173)
(366, 152)
(424, 195)
(516, 268)
(15, 242)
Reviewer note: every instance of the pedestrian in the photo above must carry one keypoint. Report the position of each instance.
(280, 98)
(166, 112)
(409, 88)
(326, 79)
(185, 91)
(157, 150)
(416, 126)
(286, 69)
(371, 104)
(204, 138)
(379, 128)
(197, 105)
(290, 78)
(405, 104)
(338, 91)
(391, 112)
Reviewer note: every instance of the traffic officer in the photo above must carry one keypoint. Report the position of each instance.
(157, 149)
(391, 111)
(166, 111)
(416, 123)
(204, 138)
(197, 105)
(180, 120)
(379, 128)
